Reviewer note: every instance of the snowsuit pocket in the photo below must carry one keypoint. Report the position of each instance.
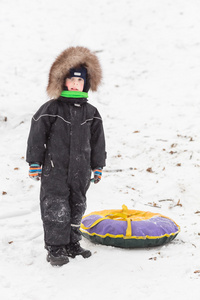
(48, 165)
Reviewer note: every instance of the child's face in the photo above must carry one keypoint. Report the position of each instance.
(74, 84)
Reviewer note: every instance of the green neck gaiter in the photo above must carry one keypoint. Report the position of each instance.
(74, 94)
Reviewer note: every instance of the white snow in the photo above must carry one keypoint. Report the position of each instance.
(150, 104)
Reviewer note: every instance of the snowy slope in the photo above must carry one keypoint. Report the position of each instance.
(149, 100)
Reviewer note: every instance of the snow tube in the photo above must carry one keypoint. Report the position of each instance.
(128, 228)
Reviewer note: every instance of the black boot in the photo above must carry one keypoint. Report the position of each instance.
(57, 255)
(74, 249)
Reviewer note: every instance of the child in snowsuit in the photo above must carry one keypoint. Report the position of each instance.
(65, 143)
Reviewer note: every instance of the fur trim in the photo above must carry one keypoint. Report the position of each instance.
(72, 58)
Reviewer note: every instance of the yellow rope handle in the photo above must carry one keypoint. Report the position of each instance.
(93, 224)
(122, 215)
(125, 217)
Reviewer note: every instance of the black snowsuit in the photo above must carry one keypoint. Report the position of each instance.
(67, 138)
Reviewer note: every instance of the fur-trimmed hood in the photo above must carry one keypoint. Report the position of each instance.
(72, 58)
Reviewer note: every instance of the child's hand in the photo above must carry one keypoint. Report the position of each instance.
(97, 175)
(35, 171)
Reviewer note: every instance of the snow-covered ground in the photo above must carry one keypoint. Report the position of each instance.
(150, 104)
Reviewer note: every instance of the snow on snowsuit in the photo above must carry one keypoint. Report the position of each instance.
(67, 138)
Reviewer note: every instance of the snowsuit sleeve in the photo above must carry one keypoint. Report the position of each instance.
(39, 132)
(98, 153)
